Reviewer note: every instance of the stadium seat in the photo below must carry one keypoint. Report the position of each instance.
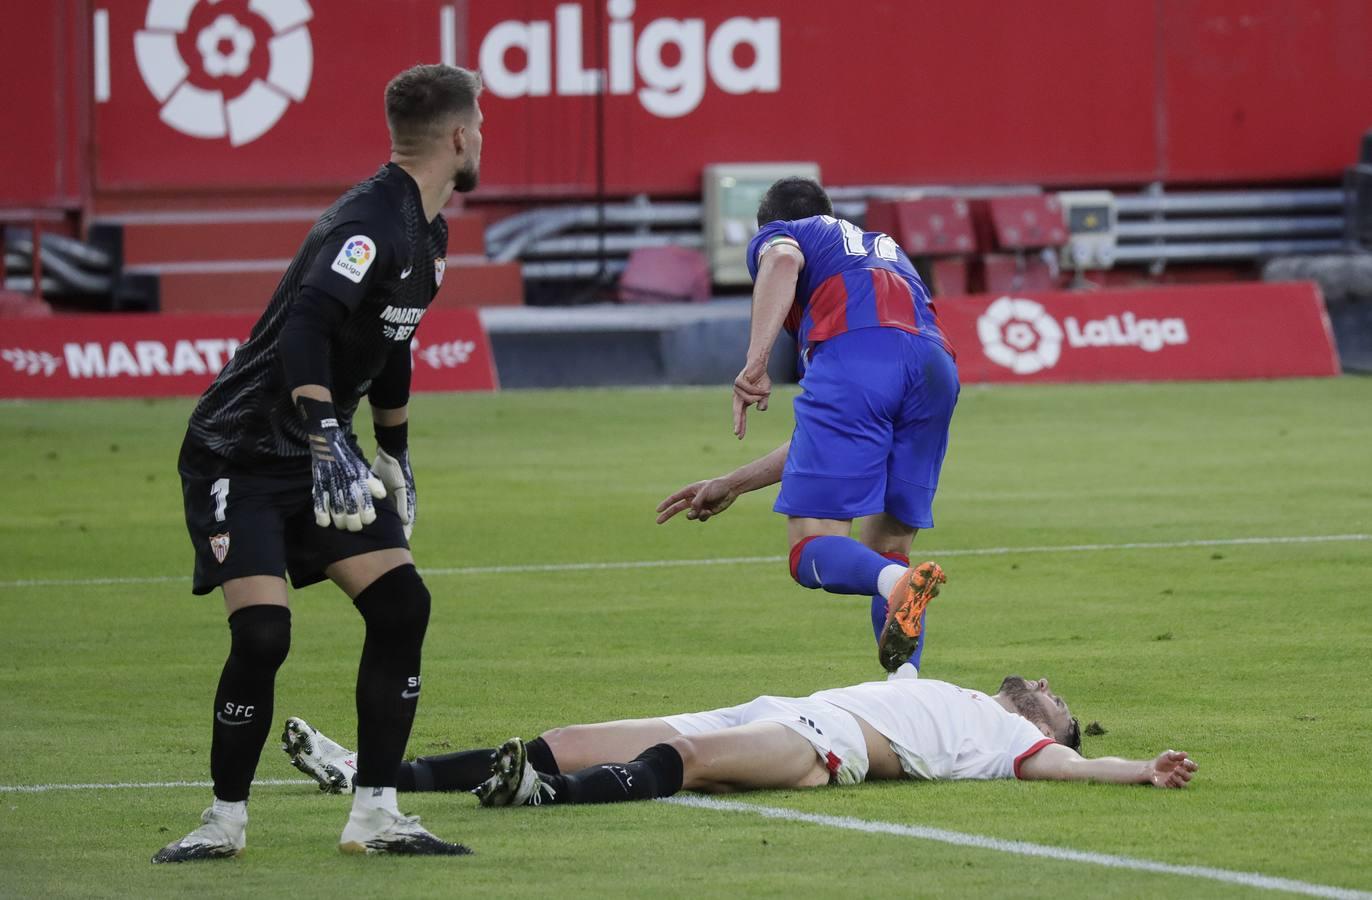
(658, 274)
(14, 305)
(937, 233)
(1026, 232)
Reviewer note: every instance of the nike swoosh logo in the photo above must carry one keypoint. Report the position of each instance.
(219, 717)
(408, 695)
(406, 274)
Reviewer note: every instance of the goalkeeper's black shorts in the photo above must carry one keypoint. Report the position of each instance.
(244, 524)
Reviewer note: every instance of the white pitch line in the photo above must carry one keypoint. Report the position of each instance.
(748, 560)
(127, 785)
(919, 832)
(1024, 848)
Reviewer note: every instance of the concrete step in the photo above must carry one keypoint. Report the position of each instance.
(246, 285)
(156, 238)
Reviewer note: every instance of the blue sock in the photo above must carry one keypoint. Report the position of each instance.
(838, 564)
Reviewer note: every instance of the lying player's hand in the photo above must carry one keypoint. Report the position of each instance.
(398, 478)
(752, 386)
(343, 485)
(1172, 769)
(701, 500)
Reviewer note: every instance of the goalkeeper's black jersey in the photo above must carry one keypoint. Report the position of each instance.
(371, 250)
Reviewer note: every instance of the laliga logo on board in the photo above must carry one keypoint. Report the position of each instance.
(194, 100)
(1019, 335)
(669, 91)
(1023, 337)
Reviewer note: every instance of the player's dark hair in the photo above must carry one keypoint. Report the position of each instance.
(421, 99)
(793, 198)
(1073, 736)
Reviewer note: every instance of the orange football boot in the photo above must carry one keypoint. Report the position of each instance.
(904, 610)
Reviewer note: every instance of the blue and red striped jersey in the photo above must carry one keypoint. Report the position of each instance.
(851, 279)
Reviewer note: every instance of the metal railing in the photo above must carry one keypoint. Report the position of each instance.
(1154, 227)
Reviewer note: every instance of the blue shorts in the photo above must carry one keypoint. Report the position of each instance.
(871, 428)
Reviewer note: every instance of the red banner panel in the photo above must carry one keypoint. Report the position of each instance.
(244, 95)
(175, 356)
(1159, 334)
(231, 94)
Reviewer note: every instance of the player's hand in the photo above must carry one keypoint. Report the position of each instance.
(753, 386)
(398, 478)
(1172, 769)
(343, 485)
(700, 501)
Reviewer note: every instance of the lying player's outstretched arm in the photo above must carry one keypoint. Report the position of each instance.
(704, 499)
(1170, 769)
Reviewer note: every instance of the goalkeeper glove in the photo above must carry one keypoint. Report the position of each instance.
(392, 466)
(343, 486)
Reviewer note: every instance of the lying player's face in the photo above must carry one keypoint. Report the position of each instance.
(1029, 696)
(469, 173)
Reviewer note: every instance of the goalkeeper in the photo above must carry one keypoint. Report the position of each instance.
(274, 481)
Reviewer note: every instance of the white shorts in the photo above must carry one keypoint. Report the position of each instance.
(833, 732)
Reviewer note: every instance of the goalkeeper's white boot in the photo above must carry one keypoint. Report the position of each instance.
(219, 836)
(379, 830)
(329, 763)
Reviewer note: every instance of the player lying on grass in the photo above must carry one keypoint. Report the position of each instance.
(904, 727)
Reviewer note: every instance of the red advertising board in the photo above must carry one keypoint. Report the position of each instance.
(171, 356)
(234, 94)
(42, 130)
(1160, 334)
(263, 95)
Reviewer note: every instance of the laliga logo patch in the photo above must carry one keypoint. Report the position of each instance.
(219, 546)
(358, 251)
(230, 87)
(356, 257)
(1020, 335)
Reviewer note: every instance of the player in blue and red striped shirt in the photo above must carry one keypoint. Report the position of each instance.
(878, 392)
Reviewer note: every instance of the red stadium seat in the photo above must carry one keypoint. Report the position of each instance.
(1022, 228)
(931, 226)
(938, 230)
(14, 305)
(658, 274)
(1026, 223)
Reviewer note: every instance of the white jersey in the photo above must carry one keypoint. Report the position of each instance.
(939, 730)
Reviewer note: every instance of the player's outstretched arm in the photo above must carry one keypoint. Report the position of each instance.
(1169, 769)
(703, 499)
(773, 294)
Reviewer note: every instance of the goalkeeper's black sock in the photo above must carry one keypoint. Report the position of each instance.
(396, 610)
(467, 769)
(656, 772)
(260, 639)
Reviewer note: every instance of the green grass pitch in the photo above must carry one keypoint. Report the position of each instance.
(1254, 657)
